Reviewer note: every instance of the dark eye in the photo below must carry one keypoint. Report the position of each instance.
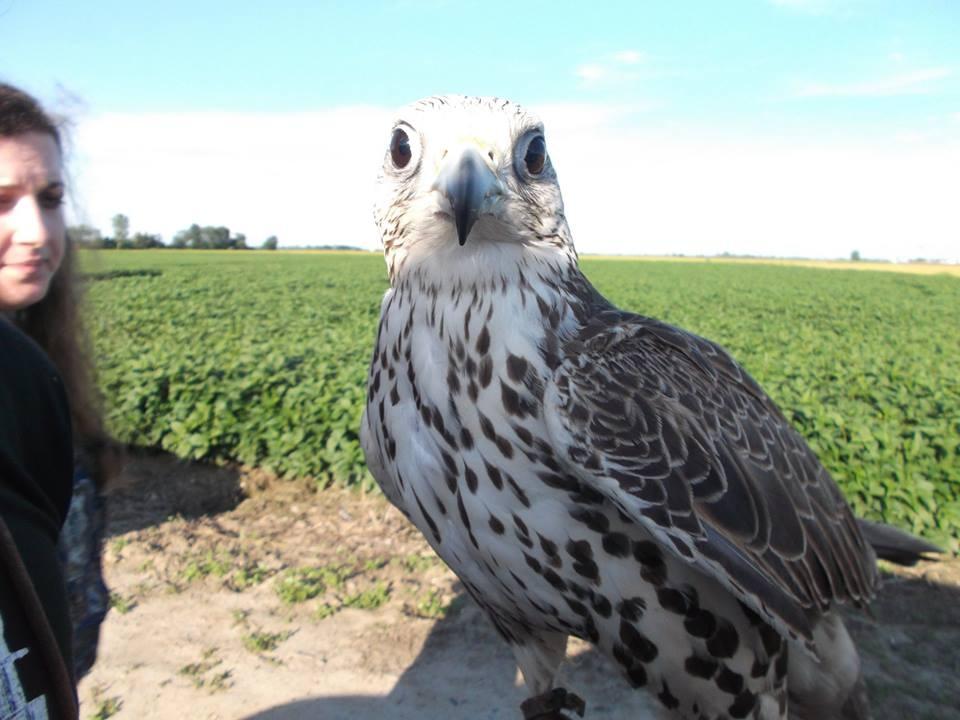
(536, 155)
(400, 149)
(51, 199)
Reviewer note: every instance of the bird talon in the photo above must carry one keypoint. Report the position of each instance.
(548, 706)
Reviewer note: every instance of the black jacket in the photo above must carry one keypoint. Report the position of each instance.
(36, 466)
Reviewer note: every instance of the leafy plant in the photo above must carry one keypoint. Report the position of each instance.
(122, 604)
(258, 641)
(369, 599)
(105, 707)
(208, 564)
(248, 576)
(298, 585)
(432, 605)
(261, 358)
(325, 610)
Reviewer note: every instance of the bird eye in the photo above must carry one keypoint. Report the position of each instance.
(536, 155)
(400, 151)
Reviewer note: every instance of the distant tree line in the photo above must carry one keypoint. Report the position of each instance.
(209, 237)
(195, 237)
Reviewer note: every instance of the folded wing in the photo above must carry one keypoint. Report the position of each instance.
(667, 426)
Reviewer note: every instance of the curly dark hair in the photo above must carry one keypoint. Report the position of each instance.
(55, 322)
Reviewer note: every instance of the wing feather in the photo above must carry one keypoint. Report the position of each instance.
(672, 430)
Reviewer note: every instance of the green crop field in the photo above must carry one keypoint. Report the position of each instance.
(260, 358)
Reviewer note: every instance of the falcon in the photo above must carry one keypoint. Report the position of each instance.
(591, 472)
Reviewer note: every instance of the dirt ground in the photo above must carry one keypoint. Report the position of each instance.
(237, 596)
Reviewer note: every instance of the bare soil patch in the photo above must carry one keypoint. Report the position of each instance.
(239, 596)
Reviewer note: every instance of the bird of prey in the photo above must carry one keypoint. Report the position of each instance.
(585, 470)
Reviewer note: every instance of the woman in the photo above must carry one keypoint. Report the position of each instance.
(38, 295)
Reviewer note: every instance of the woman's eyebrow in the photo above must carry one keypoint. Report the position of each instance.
(15, 185)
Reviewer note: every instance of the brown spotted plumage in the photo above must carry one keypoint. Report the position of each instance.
(587, 471)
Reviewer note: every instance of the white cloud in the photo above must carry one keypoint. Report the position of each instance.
(808, 6)
(573, 120)
(911, 137)
(911, 83)
(818, 7)
(633, 192)
(629, 57)
(592, 72)
(308, 178)
(618, 68)
(797, 4)
(305, 177)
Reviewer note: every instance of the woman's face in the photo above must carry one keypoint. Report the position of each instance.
(32, 228)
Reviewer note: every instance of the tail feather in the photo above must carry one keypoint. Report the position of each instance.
(832, 687)
(895, 545)
(857, 707)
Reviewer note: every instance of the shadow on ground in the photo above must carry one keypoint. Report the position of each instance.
(910, 652)
(466, 671)
(156, 486)
(910, 646)
(910, 649)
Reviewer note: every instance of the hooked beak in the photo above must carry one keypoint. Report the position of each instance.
(470, 186)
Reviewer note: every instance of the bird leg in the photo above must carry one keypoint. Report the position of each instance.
(548, 705)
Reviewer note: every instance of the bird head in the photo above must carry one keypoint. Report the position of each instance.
(468, 182)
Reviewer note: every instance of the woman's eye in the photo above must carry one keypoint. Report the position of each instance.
(51, 201)
(400, 151)
(536, 155)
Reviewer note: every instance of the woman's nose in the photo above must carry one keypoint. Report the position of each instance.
(31, 226)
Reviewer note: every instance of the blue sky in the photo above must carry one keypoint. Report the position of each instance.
(719, 97)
